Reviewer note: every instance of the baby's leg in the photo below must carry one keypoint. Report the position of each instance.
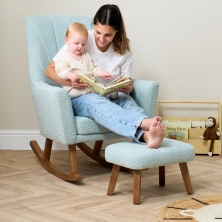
(73, 93)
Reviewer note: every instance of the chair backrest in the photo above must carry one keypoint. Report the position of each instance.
(45, 36)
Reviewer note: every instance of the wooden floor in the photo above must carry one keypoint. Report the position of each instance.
(29, 193)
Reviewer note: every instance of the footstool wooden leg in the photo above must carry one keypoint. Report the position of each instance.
(137, 157)
(186, 177)
(137, 187)
(113, 179)
(162, 175)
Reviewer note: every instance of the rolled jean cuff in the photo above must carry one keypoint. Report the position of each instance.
(138, 133)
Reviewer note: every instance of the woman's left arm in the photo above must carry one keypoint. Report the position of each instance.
(127, 70)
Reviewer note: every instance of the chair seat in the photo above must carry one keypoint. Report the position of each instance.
(89, 130)
(87, 126)
(136, 156)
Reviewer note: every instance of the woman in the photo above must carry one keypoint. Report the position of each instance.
(109, 48)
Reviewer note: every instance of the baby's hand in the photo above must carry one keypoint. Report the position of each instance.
(108, 76)
(72, 76)
(75, 78)
(105, 75)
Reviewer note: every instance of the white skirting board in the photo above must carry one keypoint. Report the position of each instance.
(19, 140)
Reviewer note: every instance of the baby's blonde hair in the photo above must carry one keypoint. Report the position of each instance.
(77, 28)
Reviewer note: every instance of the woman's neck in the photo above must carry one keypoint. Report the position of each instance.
(103, 49)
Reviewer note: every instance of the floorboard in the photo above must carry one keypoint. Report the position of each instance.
(29, 193)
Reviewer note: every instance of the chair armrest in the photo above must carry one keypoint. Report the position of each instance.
(54, 112)
(145, 93)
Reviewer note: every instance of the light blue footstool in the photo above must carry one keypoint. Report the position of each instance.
(138, 157)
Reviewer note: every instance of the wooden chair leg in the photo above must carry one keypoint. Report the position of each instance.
(44, 158)
(97, 147)
(73, 159)
(47, 150)
(137, 187)
(162, 175)
(113, 179)
(95, 152)
(186, 177)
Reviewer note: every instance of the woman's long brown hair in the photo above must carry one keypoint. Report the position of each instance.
(111, 15)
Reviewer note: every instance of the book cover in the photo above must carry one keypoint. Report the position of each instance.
(176, 132)
(198, 124)
(113, 86)
(187, 124)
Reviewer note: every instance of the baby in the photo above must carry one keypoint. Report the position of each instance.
(76, 60)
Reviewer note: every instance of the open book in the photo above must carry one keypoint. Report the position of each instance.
(113, 86)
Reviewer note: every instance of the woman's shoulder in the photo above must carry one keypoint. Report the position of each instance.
(90, 32)
(90, 45)
(127, 54)
(60, 52)
(91, 35)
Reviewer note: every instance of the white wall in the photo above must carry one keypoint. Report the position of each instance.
(178, 43)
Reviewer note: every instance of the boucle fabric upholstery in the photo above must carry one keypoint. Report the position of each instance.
(45, 36)
(137, 157)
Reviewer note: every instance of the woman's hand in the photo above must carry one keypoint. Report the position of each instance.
(127, 89)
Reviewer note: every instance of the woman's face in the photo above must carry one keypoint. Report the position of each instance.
(104, 35)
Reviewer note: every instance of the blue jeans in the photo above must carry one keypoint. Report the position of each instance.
(122, 116)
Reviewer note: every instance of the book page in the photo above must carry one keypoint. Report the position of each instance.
(116, 80)
(92, 86)
(198, 124)
(115, 87)
(176, 123)
(105, 90)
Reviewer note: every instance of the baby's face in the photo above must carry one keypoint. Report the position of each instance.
(76, 43)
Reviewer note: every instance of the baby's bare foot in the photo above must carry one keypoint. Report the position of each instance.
(156, 134)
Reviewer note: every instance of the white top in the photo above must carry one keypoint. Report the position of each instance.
(108, 61)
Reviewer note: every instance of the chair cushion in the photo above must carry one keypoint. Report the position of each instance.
(136, 156)
(87, 126)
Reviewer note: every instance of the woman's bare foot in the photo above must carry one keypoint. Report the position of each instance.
(146, 123)
(155, 135)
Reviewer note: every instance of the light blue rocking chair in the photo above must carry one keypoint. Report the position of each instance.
(45, 36)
